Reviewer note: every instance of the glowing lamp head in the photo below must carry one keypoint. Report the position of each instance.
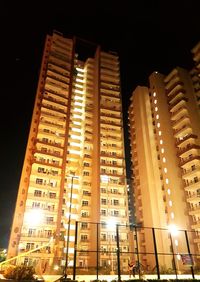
(111, 224)
(173, 229)
(34, 217)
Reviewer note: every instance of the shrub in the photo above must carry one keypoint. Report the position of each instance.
(19, 273)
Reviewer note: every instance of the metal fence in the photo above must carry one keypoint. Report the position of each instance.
(155, 251)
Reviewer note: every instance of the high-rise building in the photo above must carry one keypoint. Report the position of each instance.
(165, 148)
(74, 166)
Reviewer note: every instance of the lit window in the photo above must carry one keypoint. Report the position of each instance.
(156, 109)
(154, 94)
(158, 124)
(164, 160)
(157, 116)
(162, 150)
(159, 132)
(167, 181)
(168, 191)
(165, 170)
(172, 215)
(79, 69)
(155, 102)
(79, 80)
(161, 141)
(170, 203)
(176, 242)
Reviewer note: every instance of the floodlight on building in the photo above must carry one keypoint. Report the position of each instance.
(34, 217)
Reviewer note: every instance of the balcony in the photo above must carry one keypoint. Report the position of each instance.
(184, 130)
(176, 96)
(190, 136)
(191, 172)
(179, 112)
(194, 198)
(192, 185)
(189, 147)
(196, 225)
(189, 159)
(175, 103)
(195, 211)
(177, 122)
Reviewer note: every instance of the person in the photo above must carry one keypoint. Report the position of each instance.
(131, 268)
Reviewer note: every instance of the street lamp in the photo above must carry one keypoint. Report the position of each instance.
(173, 232)
(68, 229)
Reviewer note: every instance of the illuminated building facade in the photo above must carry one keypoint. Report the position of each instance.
(164, 124)
(74, 163)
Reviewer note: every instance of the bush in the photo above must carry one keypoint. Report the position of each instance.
(19, 273)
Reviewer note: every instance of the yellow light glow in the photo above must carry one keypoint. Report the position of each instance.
(158, 124)
(154, 94)
(105, 178)
(168, 191)
(170, 203)
(111, 224)
(155, 101)
(172, 215)
(34, 217)
(159, 132)
(157, 116)
(176, 242)
(156, 109)
(162, 150)
(80, 70)
(173, 229)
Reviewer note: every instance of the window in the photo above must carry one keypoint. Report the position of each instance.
(84, 225)
(103, 201)
(84, 237)
(49, 219)
(35, 205)
(103, 212)
(37, 193)
(84, 203)
(116, 213)
(39, 181)
(86, 173)
(116, 202)
(85, 214)
(41, 169)
(52, 195)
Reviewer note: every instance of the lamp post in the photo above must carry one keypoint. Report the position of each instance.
(68, 229)
(173, 231)
(111, 226)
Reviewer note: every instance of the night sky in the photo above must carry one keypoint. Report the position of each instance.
(148, 36)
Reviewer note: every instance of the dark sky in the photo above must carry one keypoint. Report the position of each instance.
(148, 36)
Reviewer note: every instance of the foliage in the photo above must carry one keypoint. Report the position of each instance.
(19, 273)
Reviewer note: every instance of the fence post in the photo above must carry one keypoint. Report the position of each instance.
(75, 250)
(174, 260)
(118, 253)
(138, 258)
(188, 247)
(156, 253)
(97, 251)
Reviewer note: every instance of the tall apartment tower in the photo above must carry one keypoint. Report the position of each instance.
(165, 148)
(74, 166)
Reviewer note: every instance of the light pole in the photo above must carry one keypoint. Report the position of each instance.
(173, 231)
(68, 229)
